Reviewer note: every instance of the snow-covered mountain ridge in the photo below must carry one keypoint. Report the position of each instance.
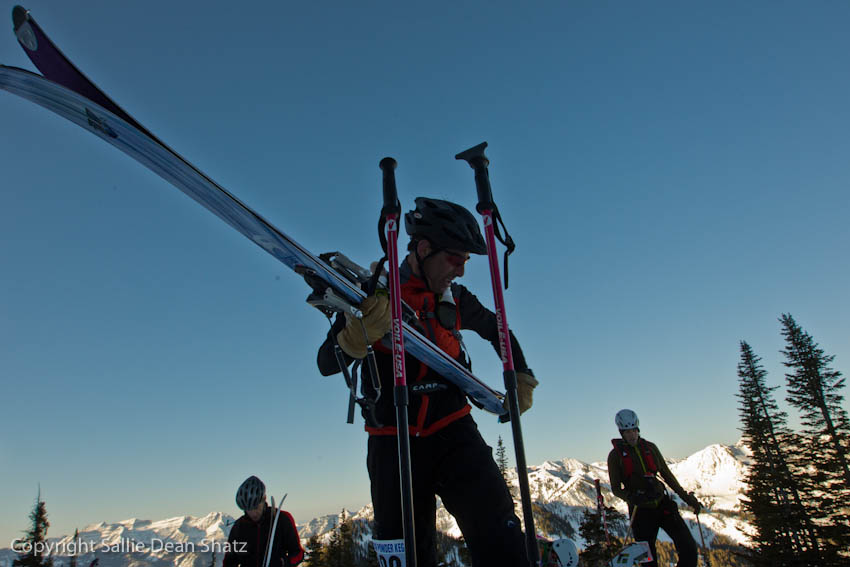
(564, 489)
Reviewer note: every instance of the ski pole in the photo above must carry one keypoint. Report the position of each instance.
(390, 214)
(631, 522)
(702, 539)
(478, 161)
(600, 506)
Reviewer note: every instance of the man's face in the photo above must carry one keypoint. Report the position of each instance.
(443, 267)
(256, 513)
(631, 436)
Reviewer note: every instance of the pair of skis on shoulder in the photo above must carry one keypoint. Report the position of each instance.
(267, 557)
(66, 91)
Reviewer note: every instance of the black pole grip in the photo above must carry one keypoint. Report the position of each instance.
(476, 159)
(391, 203)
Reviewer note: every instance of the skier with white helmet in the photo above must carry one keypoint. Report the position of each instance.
(634, 467)
(249, 535)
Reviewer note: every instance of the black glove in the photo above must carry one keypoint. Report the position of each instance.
(692, 501)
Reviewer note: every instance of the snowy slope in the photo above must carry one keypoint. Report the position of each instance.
(564, 488)
(182, 542)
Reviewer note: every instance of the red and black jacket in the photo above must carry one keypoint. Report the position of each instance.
(643, 453)
(434, 401)
(634, 473)
(248, 539)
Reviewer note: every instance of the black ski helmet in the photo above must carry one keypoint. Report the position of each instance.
(445, 225)
(250, 493)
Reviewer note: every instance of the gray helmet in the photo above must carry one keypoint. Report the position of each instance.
(445, 225)
(250, 493)
(627, 419)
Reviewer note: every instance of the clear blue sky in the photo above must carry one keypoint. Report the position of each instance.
(675, 175)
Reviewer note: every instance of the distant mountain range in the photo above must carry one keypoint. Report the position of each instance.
(561, 489)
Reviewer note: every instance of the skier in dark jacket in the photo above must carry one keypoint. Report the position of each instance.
(249, 536)
(634, 465)
(449, 458)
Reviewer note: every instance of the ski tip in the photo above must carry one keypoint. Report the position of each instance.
(23, 29)
(19, 16)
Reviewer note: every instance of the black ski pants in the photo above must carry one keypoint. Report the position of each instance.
(665, 516)
(456, 464)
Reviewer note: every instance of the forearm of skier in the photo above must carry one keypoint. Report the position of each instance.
(294, 551)
(615, 478)
(668, 477)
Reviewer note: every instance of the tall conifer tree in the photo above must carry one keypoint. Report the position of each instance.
(502, 458)
(73, 560)
(35, 538)
(815, 390)
(785, 533)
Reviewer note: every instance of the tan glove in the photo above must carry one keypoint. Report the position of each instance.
(376, 320)
(525, 384)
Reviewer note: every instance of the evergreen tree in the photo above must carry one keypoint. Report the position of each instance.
(315, 552)
(73, 561)
(814, 389)
(35, 538)
(502, 458)
(372, 556)
(504, 467)
(333, 550)
(785, 533)
(340, 550)
(599, 547)
(448, 550)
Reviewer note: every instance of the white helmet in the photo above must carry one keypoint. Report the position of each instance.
(626, 419)
(566, 551)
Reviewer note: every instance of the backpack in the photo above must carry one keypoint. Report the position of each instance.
(651, 491)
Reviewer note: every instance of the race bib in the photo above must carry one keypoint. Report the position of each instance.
(390, 552)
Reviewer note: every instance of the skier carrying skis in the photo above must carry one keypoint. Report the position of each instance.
(448, 456)
(249, 537)
(634, 465)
